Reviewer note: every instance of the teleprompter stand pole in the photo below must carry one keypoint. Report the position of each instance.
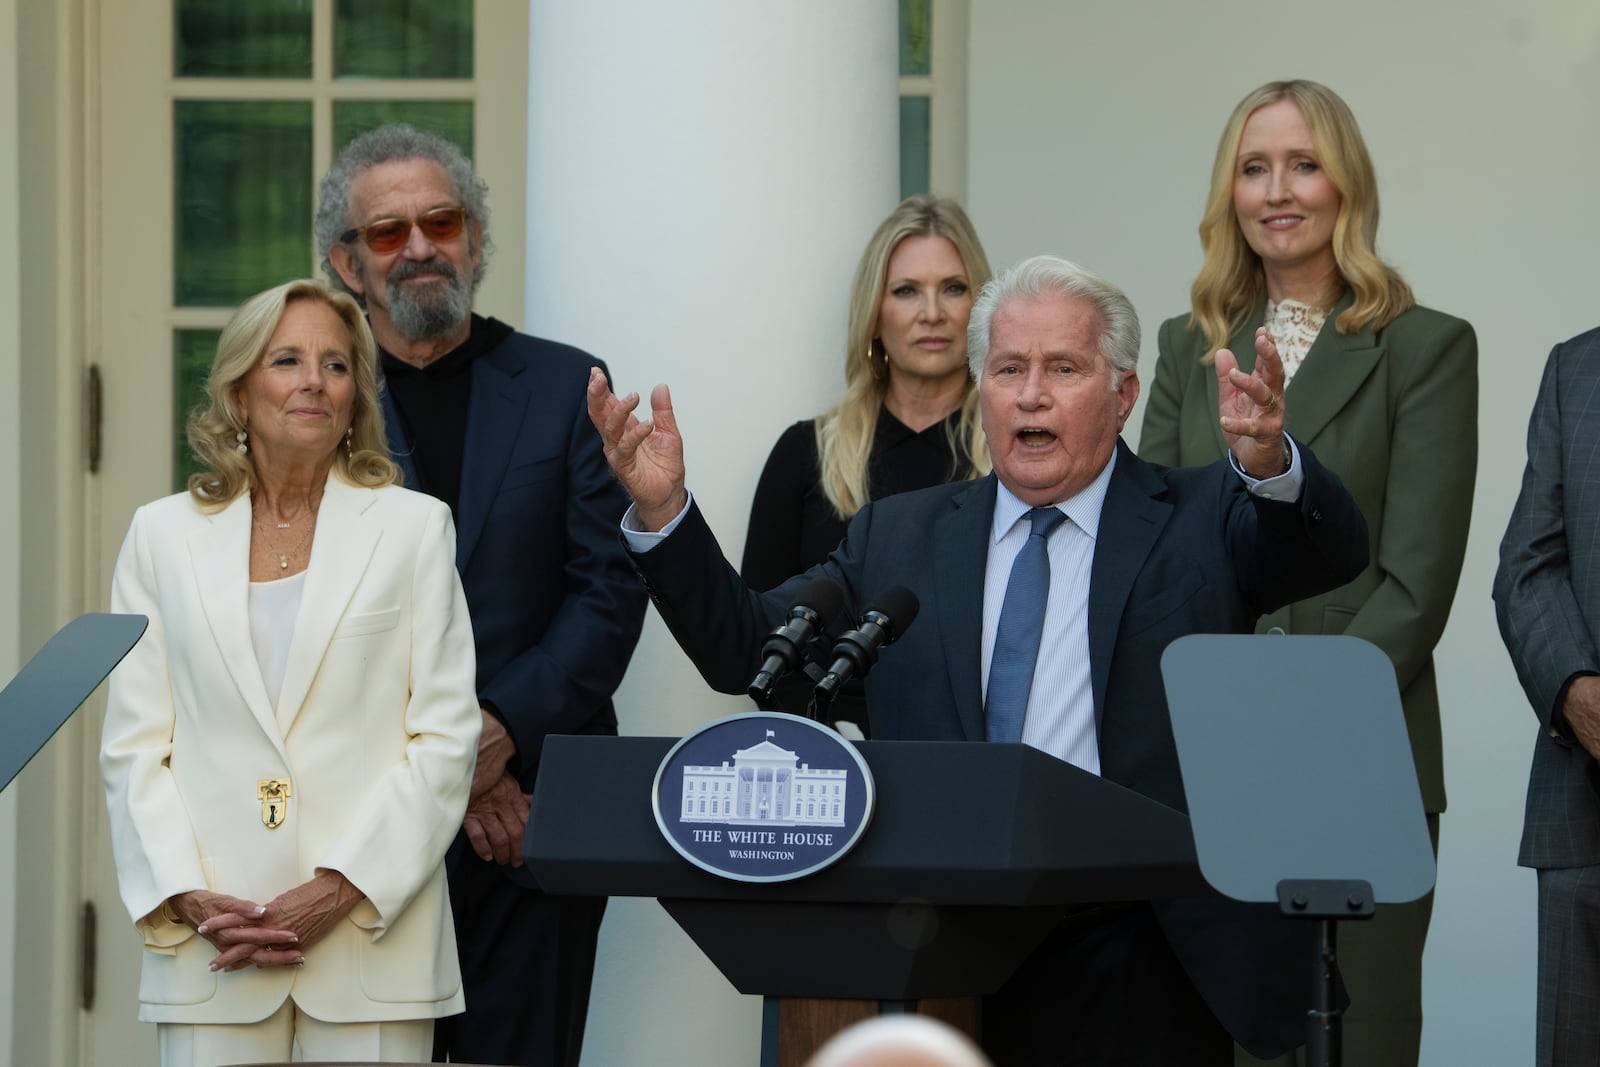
(1327, 902)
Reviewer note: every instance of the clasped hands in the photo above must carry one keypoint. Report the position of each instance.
(274, 934)
(497, 808)
(1251, 410)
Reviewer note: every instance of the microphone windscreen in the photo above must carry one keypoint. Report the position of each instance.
(899, 604)
(823, 596)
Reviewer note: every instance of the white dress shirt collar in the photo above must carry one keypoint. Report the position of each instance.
(1083, 508)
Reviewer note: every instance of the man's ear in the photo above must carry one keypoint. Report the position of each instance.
(1127, 393)
(344, 261)
(477, 243)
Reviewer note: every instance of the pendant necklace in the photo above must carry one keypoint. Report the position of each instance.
(294, 550)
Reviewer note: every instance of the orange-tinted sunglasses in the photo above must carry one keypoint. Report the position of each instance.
(386, 235)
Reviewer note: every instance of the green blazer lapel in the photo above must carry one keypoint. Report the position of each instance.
(1331, 374)
(961, 544)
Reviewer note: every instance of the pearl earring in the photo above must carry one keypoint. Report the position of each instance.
(241, 437)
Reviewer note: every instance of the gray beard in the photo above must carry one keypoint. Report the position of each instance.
(431, 312)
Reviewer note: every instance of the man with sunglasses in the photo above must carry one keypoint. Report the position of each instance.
(493, 422)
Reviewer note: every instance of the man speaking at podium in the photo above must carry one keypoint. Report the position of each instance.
(1077, 547)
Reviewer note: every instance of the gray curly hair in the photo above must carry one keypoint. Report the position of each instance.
(387, 144)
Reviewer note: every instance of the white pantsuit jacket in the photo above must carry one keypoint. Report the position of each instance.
(376, 729)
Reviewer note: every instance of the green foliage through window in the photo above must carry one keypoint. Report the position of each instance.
(916, 37)
(450, 119)
(403, 38)
(192, 353)
(244, 198)
(915, 163)
(232, 39)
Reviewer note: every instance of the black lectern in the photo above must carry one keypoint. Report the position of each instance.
(59, 678)
(973, 854)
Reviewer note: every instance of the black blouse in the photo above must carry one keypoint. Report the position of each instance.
(792, 524)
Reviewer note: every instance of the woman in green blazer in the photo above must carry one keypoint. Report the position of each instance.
(1386, 393)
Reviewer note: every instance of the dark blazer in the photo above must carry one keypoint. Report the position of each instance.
(556, 610)
(1546, 594)
(1178, 552)
(1395, 413)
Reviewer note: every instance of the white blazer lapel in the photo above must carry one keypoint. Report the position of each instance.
(220, 553)
(343, 545)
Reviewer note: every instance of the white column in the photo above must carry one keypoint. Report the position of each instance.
(702, 176)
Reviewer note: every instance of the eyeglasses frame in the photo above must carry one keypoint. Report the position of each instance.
(415, 221)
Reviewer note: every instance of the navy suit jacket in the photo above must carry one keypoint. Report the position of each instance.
(1178, 552)
(556, 610)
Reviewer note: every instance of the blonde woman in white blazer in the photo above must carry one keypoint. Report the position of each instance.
(287, 752)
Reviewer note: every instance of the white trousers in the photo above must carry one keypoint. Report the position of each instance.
(289, 1034)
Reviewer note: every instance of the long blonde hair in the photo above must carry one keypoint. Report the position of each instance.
(212, 428)
(1231, 280)
(845, 433)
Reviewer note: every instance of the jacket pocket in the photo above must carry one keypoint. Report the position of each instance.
(370, 622)
(1151, 612)
(183, 977)
(182, 974)
(415, 960)
(528, 473)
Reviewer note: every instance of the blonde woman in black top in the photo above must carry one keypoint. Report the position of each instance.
(909, 417)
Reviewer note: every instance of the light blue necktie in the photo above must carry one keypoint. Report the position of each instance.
(1016, 639)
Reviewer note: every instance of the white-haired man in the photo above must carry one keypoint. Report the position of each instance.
(1077, 547)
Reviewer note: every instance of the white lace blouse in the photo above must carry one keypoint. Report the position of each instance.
(1294, 327)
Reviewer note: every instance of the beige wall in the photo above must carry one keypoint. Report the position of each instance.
(1092, 129)
(43, 122)
(10, 493)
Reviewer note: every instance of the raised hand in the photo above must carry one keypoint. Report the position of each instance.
(646, 456)
(1250, 408)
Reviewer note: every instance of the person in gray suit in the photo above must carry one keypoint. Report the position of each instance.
(1546, 593)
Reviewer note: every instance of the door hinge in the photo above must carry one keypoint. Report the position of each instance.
(92, 416)
(88, 961)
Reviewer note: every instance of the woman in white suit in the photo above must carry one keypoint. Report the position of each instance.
(287, 752)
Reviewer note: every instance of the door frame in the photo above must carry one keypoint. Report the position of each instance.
(73, 137)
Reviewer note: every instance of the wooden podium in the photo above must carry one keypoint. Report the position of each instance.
(974, 853)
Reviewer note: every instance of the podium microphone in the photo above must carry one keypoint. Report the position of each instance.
(894, 610)
(785, 650)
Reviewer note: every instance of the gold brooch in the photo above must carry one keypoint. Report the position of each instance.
(274, 794)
